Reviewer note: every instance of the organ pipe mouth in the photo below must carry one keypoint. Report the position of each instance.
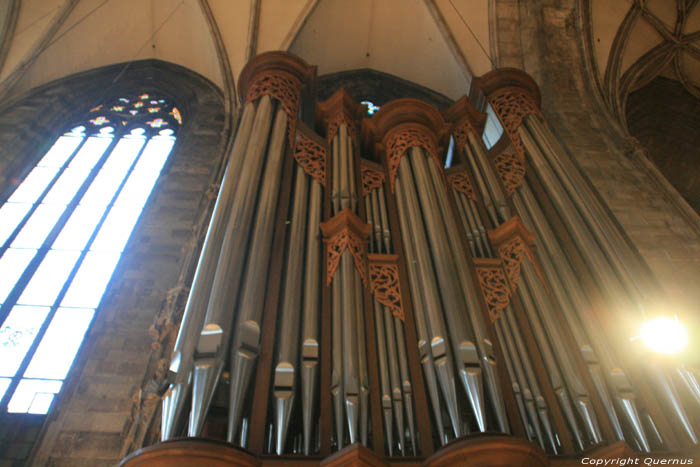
(664, 334)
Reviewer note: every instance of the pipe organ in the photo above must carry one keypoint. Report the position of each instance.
(354, 296)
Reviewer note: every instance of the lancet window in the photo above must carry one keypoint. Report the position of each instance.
(62, 232)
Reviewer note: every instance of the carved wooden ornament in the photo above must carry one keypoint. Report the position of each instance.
(345, 230)
(513, 243)
(511, 170)
(284, 87)
(404, 136)
(461, 132)
(372, 176)
(311, 156)
(337, 119)
(494, 285)
(385, 283)
(513, 104)
(460, 181)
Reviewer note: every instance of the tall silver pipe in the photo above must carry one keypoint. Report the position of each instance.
(182, 358)
(384, 383)
(426, 281)
(385, 342)
(406, 385)
(596, 218)
(344, 169)
(565, 286)
(491, 182)
(620, 257)
(213, 339)
(311, 312)
(489, 202)
(351, 172)
(562, 352)
(550, 363)
(246, 334)
(395, 332)
(386, 234)
(469, 227)
(527, 415)
(609, 281)
(287, 369)
(461, 332)
(421, 310)
(395, 378)
(337, 361)
(362, 359)
(351, 377)
(378, 228)
(335, 175)
(483, 343)
(522, 363)
(615, 282)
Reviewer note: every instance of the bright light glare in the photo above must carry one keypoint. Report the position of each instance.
(664, 335)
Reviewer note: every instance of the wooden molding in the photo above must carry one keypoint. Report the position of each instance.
(500, 78)
(355, 455)
(189, 452)
(340, 108)
(400, 111)
(345, 230)
(482, 450)
(465, 119)
(270, 62)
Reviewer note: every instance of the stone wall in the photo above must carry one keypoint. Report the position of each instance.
(665, 118)
(87, 424)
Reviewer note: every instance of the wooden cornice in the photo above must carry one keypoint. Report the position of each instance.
(514, 227)
(270, 62)
(464, 111)
(501, 78)
(402, 111)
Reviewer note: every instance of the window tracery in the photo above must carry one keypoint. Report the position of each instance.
(62, 233)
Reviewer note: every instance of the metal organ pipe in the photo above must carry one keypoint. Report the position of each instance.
(193, 317)
(461, 331)
(438, 341)
(287, 368)
(350, 379)
(484, 345)
(246, 334)
(311, 306)
(425, 336)
(603, 257)
(212, 344)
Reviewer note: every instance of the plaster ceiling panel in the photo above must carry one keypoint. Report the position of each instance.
(183, 37)
(277, 20)
(35, 17)
(642, 39)
(606, 17)
(95, 34)
(664, 10)
(398, 37)
(476, 16)
(691, 68)
(232, 19)
(693, 21)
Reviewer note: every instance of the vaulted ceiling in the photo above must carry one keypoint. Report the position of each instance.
(439, 44)
(636, 41)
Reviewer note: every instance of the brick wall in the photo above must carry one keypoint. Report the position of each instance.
(665, 118)
(86, 425)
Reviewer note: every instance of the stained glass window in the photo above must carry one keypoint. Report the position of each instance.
(62, 233)
(371, 108)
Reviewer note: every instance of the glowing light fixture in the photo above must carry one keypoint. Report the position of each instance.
(664, 335)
